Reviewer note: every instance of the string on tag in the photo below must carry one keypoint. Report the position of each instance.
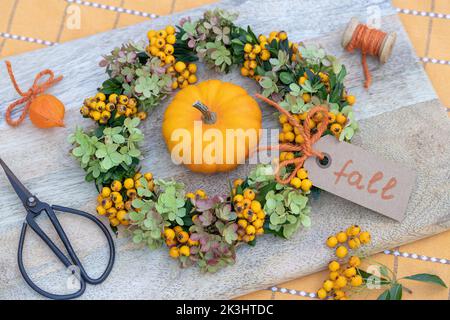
(306, 148)
(370, 41)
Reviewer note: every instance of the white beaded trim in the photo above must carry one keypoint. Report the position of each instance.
(435, 61)
(27, 39)
(293, 292)
(113, 8)
(416, 256)
(423, 13)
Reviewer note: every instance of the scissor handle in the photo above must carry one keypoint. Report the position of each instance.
(84, 277)
(66, 242)
(37, 288)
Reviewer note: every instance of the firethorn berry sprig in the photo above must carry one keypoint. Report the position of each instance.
(179, 242)
(344, 275)
(199, 194)
(184, 75)
(161, 45)
(177, 239)
(250, 214)
(336, 122)
(256, 53)
(115, 201)
(102, 108)
(353, 236)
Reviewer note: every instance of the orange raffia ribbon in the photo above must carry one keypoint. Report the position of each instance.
(306, 148)
(28, 97)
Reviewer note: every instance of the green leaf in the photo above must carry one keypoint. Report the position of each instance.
(306, 221)
(78, 152)
(230, 234)
(137, 203)
(428, 278)
(385, 295)
(266, 83)
(117, 158)
(287, 77)
(100, 153)
(252, 35)
(396, 292)
(134, 153)
(261, 197)
(111, 86)
(136, 216)
(179, 221)
(347, 134)
(384, 271)
(340, 77)
(107, 163)
(118, 138)
(295, 87)
(137, 238)
(365, 275)
(131, 123)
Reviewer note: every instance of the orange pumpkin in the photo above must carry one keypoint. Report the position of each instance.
(212, 127)
(47, 111)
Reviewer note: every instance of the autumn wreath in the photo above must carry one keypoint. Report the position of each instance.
(200, 229)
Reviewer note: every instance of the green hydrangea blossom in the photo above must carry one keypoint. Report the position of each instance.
(147, 224)
(171, 201)
(287, 211)
(110, 153)
(216, 55)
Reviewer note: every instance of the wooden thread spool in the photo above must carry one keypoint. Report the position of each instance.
(382, 50)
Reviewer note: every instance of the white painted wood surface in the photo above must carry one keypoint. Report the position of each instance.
(401, 119)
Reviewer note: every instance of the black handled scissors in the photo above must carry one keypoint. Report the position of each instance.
(34, 208)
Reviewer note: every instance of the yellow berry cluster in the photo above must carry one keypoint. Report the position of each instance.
(161, 45)
(100, 108)
(200, 194)
(323, 77)
(179, 242)
(349, 98)
(344, 275)
(250, 214)
(353, 236)
(300, 181)
(250, 62)
(290, 134)
(183, 74)
(336, 122)
(115, 201)
(261, 50)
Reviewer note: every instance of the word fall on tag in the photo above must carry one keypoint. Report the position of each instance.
(361, 177)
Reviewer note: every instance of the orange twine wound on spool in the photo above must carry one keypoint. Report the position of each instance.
(370, 41)
(42, 119)
(306, 148)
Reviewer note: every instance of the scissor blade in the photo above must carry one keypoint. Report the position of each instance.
(20, 189)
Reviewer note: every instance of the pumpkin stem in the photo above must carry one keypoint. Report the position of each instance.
(208, 117)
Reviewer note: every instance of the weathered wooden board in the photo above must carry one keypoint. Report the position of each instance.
(401, 120)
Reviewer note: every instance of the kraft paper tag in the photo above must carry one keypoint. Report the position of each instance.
(361, 177)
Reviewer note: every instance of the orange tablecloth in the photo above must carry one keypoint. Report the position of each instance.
(28, 25)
